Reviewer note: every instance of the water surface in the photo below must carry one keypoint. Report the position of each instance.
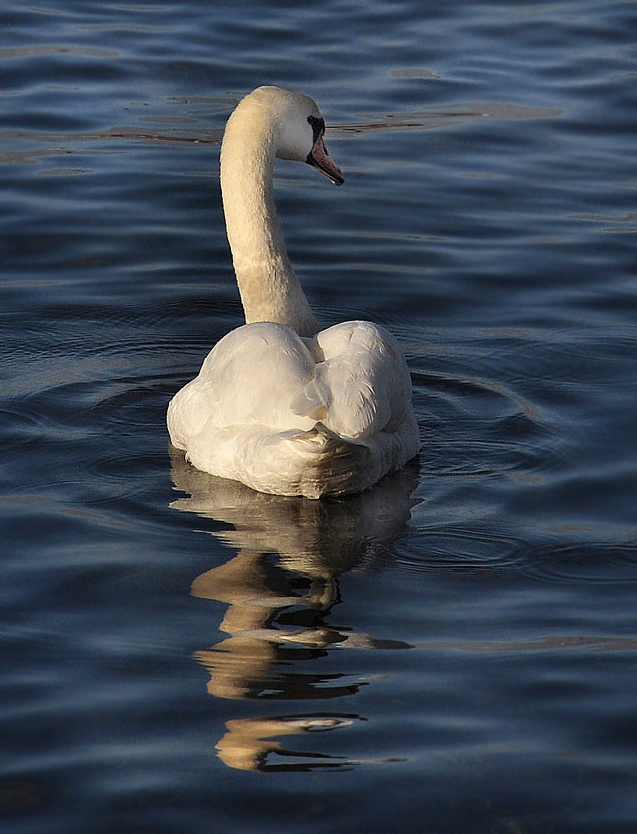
(453, 651)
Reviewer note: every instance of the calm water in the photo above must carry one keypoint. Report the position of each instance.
(452, 652)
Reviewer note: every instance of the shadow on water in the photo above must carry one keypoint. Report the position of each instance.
(281, 588)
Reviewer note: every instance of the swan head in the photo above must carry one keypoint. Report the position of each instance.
(299, 129)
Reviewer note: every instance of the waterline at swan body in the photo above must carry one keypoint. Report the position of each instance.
(278, 405)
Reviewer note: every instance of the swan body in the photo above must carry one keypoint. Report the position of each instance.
(278, 405)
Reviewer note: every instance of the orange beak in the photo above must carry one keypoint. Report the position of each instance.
(320, 159)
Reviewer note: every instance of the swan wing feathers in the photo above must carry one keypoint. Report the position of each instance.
(361, 385)
(248, 378)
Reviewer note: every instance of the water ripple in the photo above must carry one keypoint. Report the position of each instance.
(587, 564)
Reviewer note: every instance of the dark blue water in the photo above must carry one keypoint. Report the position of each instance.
(451, 652)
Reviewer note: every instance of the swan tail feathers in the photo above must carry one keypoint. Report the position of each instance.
(332, 465)
(312, 463)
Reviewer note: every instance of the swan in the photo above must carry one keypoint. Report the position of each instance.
(280, 405)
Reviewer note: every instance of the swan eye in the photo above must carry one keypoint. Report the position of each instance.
(318, 127)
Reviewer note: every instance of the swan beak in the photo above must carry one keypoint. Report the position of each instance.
(320, 159)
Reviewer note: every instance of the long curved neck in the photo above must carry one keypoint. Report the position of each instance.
(269, 289)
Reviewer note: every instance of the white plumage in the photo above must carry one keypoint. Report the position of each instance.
(277, 405)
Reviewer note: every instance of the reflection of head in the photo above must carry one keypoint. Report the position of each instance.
(249, 742)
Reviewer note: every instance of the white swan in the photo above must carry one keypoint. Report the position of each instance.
(278, 405)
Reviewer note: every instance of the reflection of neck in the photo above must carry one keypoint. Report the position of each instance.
(239, 582)
(270, 291)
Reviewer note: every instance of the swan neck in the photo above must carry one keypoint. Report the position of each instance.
(269, 288)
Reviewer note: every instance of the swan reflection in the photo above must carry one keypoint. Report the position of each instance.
(280, 588)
